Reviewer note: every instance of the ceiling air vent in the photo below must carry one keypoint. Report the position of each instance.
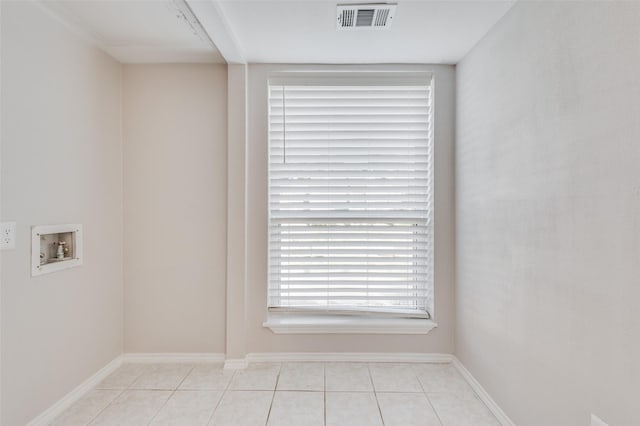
(375, 16)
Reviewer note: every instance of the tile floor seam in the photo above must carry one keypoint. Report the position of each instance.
(125, 389)
(224, 392)
(274, 394)
(324, 387)
(130, 386)
(103, 408)
(424, 391)
(434, 409)
(170, 396)
(375, 394)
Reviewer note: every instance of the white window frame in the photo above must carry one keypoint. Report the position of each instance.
(281, 316)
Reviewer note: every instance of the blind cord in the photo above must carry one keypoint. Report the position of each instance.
(284, 126)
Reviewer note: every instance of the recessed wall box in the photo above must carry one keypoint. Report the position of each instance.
(55, 247)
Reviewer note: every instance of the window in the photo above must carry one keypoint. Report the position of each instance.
(351, 193)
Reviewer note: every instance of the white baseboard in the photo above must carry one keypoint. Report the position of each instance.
(348, 357)
(69, 399)
(173, 357)
(236, 364)
(482, 394)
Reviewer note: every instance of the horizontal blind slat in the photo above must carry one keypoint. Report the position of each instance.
(350, 201)
(372, 260)
(330, 181)
(348, 214)
(373, 171)
(352, 232)
(367, 297)
(337, 284)
(278, 267)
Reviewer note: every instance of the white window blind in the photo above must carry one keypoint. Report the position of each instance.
(351, 193)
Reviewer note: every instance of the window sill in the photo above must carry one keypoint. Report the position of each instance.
(343, 324)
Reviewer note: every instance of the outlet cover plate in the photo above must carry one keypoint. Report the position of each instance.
(8, 236)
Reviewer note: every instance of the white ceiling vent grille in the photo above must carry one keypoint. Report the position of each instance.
(375, 16)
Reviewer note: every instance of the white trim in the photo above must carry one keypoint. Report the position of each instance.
(344, 324)
(173, 357)
(211, 16)
(131, 53)
(349, 357)
(236, 364)
(47, 416)
(482, 394)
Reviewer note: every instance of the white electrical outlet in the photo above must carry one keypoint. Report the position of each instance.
(8, 236)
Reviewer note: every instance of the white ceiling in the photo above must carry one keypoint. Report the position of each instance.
(136, 30)
(304, 31)
(280, 31)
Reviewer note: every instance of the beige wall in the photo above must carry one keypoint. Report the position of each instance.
(175, 154)
(61, 163)
(548, 212)
(260, 339)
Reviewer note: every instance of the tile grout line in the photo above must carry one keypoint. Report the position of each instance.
(122, 391)
(375, 394)
(103, 408)
(429, 400)
(224, 392)
(324, 394)
(170, 396)
(274, 393)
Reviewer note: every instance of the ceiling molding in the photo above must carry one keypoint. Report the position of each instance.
(134, 51)
(217, 26)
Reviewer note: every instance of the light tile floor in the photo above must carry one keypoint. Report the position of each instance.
(273, 394)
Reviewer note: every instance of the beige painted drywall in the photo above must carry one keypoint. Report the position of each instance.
(61, 163)
(175, 192)
(548, 212)
(260, 339)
